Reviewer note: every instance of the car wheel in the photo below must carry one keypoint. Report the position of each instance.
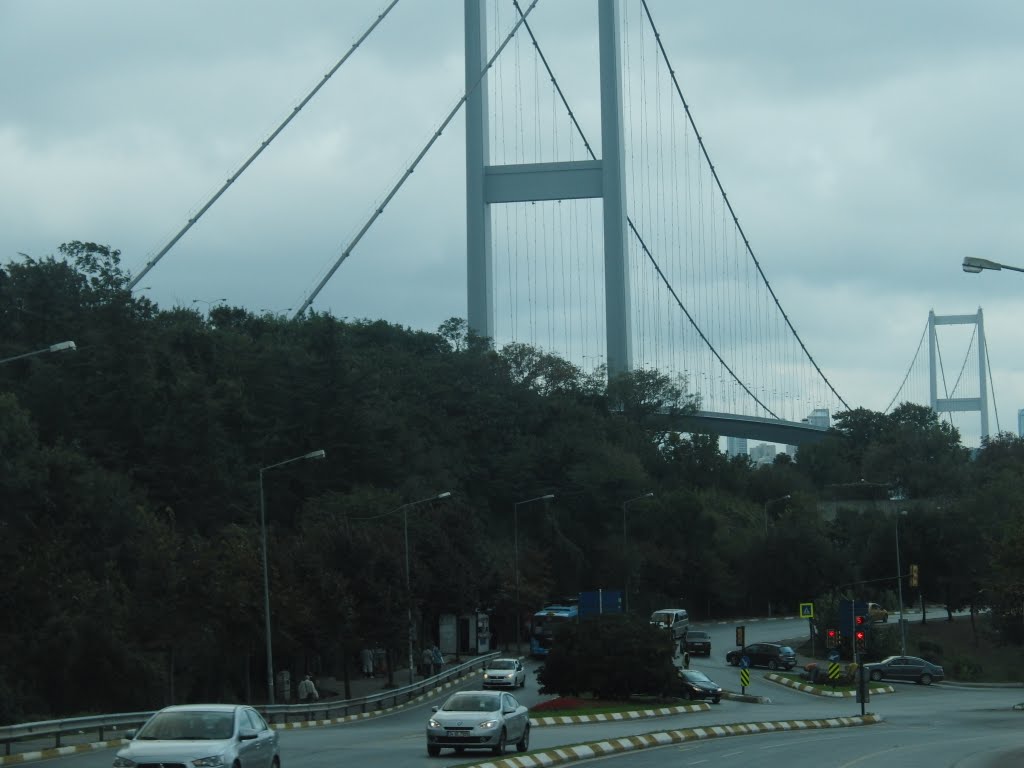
(734, 661)
(433, 751)
(772, 665)
(876, 675)
(925, 679)
(716, 700)
(524, 743)
(691, 696)
(499, 748)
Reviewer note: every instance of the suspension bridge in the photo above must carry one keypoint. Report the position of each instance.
(615, 245)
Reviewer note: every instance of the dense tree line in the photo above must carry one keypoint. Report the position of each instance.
(129, 495)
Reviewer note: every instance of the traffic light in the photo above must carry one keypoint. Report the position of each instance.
(831, 638)
(858, 620)
(913, 575)
(861, 639)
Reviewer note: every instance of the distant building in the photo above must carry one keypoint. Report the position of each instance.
(819, 417)
(737, 446)
(1020, 423)
(762, 453)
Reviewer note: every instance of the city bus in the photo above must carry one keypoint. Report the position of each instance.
(543, 626)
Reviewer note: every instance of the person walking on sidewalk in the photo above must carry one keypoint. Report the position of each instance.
(307, 690)
(426, 663)
(366, 658)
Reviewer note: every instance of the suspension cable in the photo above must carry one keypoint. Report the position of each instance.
(263, 145)
(725, 199)
(408, 172)
(920, 344)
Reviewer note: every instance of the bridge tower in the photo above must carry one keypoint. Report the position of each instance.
(945, 405)
(605, 178)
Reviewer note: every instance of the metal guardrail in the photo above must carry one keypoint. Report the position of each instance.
(11, 736)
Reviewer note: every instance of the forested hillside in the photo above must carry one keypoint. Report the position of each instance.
(129, 494)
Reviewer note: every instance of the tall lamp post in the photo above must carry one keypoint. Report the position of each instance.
(515, 524)
(408, 584)
(625, 548)
(766, 504)
(899, 586)
(266, 576)
(58, 347)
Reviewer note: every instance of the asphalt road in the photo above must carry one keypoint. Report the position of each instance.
(932, 726)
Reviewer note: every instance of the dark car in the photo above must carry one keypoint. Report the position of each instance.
(905, 668)
(695, 685)
(698, 642)
(771, 655)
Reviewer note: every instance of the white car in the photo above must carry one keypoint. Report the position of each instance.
(478, 720)
(505, 673)
(204, 736)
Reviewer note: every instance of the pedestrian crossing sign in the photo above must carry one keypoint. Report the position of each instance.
(806, 610)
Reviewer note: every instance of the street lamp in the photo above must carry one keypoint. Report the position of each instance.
(266, 577)
(973, 264)
(515, 517)
(771, 501)
(625, 549)
(208, 302)
(58, 347)
(899, 586)
(408, 586)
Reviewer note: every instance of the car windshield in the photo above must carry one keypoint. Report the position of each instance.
(189, 725)
(785, 649)
(502, 664)
(696, 677)
(697, 635)
(471, 702)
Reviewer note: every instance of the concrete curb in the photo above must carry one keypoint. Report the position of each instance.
(51, 752)
(747, 697)
(818, 691)
(597, 749)
(636, 714)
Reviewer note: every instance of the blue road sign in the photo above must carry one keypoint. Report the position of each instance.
(833, 655)
(745, 662)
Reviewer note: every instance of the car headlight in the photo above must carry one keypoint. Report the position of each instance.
(123, 762)
(434, 724)
(489, 724)
(213, 761)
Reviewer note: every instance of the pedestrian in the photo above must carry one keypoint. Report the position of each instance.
(307, 690)
(437, 658)
(366, 658)
(427, 663)
(686, 659)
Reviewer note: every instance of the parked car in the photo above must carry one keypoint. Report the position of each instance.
(905, 668)
(696, 685)
(877, 612)
(202, 734)
(478, 720)
(771, 655)
(676, 619)
(698, 642)
(505, 673)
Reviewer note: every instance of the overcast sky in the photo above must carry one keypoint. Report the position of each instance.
(867, 148)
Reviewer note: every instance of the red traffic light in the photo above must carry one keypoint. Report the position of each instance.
(859, 634)
(859, 620)
(831, 633)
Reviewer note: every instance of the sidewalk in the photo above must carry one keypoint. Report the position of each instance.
(361, 686)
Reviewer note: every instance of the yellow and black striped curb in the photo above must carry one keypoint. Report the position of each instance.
(597, 749)
(51, 752)
(819, 691)
(635, 714)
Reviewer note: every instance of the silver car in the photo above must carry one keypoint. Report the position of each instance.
(203, 736)
(505, 673)
(478, 720)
